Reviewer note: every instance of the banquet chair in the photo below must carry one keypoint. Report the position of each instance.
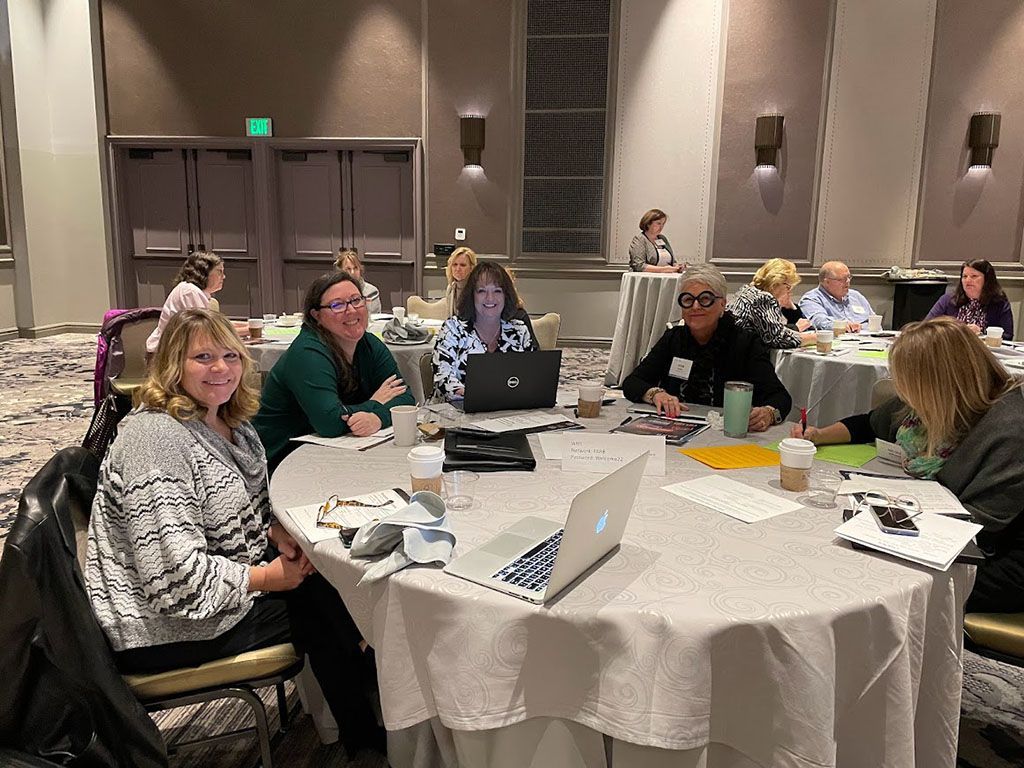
(882, 391)
(61, 493)
(133, 343)
(427, 374)
(427, 310)
(998, 636)
(545, 328)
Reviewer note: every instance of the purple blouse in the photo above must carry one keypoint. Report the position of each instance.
(998, 312)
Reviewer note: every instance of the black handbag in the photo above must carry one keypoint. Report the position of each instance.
(103, 427)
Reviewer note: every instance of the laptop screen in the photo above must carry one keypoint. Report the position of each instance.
(512, 380)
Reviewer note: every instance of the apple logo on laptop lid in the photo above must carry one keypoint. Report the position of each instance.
(601, 522)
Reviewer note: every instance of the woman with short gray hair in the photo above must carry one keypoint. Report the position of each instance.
(692, 362)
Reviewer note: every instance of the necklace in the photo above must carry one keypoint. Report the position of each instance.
(492, 339)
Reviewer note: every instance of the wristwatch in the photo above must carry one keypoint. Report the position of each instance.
(776, 414)
(650, 393)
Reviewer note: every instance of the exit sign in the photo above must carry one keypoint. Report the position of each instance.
(259, 126)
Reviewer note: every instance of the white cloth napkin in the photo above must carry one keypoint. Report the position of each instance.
(418, 533)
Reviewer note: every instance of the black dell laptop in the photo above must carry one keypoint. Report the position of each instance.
(512, 381)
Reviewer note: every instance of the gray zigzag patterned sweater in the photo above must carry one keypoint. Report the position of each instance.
(179, 516)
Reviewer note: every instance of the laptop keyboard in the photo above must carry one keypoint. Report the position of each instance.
(532, 570)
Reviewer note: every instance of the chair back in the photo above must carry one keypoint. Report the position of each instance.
(882, 391)
(545, 328)
(427, 374)
(69, 699)
(133, 342)
(214, 305)
(427, 310)
(110, 360)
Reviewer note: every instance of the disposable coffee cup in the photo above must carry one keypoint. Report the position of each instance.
(795, 459)
(425, 465)
(994, 336)
(269, 317)
(589, 404)
(256, 327)
(824, 342)
(736, 401)
(403, 420)
(874, 323)
(839, 327)
(398, 312)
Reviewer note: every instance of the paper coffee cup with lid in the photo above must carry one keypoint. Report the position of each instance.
(796, 456)
(426, 463)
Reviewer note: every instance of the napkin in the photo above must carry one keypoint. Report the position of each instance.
(418, 533)
(395, 330)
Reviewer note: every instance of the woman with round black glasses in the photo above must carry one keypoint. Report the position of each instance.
(692, 362)
(334, 378)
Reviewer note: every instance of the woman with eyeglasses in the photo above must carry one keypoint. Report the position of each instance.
(959, 419)
(487, 320)
(201, 276)
(759, 306)
(334, 378)
(185, 563)
(692, 362)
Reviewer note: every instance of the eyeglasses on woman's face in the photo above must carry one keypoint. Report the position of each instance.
(338, 306)
(705, 299)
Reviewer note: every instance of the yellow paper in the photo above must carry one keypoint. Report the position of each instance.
(740, 456)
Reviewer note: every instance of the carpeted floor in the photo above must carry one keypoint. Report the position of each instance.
(46, 404)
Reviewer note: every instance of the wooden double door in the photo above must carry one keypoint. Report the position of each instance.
(276, 215)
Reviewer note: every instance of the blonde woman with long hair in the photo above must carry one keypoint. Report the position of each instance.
(959, 418)
(460, 264)
(348, 261)
(185, 562)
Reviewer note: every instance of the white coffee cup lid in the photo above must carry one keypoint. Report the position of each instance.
(796, 445)
(426, 453)
(994, 330)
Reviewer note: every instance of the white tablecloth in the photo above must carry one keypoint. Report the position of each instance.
(647, 301)
(830, 388)
(407, 357)
(769, 644)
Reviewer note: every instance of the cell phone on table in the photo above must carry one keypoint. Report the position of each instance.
(893, 519)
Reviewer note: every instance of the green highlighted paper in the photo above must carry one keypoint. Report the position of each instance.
(880, 354)
(281, 332)
(849, 454)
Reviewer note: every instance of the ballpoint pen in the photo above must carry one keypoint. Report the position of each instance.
(625, 421)
(803, 421)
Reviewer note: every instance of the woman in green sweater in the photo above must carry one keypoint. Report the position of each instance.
(334, 378)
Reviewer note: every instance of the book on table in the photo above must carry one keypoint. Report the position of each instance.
(675, 431)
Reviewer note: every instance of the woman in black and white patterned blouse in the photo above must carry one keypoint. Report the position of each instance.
(758, 306)
(484, 322)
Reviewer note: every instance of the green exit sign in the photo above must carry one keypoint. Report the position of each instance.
(259, 126)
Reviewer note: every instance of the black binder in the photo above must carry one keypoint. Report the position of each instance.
(487, 452)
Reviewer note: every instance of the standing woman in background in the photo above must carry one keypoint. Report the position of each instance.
(348, 261)
(201, 276)
(460, 264)
(978, 301)
(650, 250)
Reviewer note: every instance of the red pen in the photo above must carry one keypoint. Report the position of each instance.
(803, 421)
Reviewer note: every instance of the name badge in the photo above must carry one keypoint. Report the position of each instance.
(680, 368)
(858, 309)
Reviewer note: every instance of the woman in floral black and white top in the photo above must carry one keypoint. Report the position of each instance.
(483, 322)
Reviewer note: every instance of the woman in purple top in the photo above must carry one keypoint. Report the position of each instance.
(978, 300)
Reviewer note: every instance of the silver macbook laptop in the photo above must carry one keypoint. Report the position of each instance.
(536, 559)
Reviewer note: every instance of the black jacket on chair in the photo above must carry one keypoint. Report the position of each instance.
(741, 357)
(62, 697)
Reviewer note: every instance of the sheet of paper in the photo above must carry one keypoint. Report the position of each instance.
(940, 541)
(739, 456)
(349, 442)
(739, 500)
(933, 498)
(281, 331)
(521, 421)
(877, 354)
(889, 452)
(602, 452)
(850, 455)
(350, 516)
(552, 443)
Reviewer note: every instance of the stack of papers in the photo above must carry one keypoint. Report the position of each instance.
(349, 441)
(941, 539)
(348, 516)
(933, 498)
(847, 454)
(733, 456)
(732, 498)
(527, 422)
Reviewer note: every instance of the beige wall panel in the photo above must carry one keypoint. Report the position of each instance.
(774, 64)
(874, 134)
(8, 321)
(665, 121)
(470, 74)
(978, 213)
(317, 67)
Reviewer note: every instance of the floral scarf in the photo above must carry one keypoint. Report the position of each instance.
(913, 439)
(972, 313)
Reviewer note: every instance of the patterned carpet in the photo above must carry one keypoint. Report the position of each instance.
(46, 404)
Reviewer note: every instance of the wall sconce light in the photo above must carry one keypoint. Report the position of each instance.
(768, 140)
(983, 137)
(471, 128)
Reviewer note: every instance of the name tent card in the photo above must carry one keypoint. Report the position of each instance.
(600, 452)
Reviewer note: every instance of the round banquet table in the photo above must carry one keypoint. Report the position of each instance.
(647, 301)
(701, 641)
(407, 356)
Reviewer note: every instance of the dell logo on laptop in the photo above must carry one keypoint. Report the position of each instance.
(601, 522)
(513, 382)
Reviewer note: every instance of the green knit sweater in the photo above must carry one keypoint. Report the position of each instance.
(301, 394)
